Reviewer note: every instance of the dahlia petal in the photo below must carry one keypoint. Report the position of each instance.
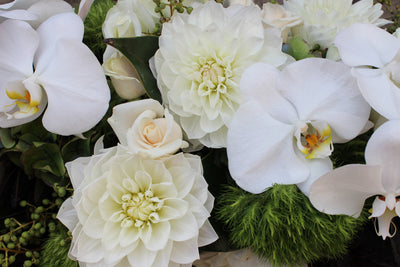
(159, 236)
(185, 252)
(141, 256)
(183, 228)
(93, 226)
(129, 236)
(207, 234)
(67, 214)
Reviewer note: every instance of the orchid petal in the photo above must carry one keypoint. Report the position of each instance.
(318, 167)
(124, 116)
(76, 88)
(18, 4)
(17, 50)
(344, 190)
(17, 14)
(61, 26)
(383, 149)
(324, 90)
(44, 9)
(258, 83)
(384, 222)
(378, 207)
(6, 122)
(366, 45)
(379, 91)
(260, 150)
(84, 7)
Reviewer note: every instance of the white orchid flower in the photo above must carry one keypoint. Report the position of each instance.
(84, 7)
(16, 10)
(33, 11)
(374, 55)
(65, 75)
(344, 190)
(284, 130)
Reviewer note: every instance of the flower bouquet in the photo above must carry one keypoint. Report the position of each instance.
(196, 133)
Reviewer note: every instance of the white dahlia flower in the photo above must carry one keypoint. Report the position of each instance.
(200, 62)
(323, 19)
(132, 211)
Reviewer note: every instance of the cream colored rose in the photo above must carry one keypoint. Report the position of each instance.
(146, 129)
(275, 15)
(123, 75)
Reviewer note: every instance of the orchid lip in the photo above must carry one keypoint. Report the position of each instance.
(26, 95)
(314, 139)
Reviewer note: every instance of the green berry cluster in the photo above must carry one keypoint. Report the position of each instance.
(22, 236)
(167, 9)
(392, 12)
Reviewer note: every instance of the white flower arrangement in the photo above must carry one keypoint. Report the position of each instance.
(290, 113)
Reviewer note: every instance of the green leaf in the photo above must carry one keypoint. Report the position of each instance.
(297, 48)
(75, 148)
(45, 158)
(139, 50)
(5, 137)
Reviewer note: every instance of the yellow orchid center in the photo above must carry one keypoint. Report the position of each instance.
(314, 139)
(26, 96)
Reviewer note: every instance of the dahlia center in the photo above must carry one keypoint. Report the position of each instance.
(214, 75)
(140, 209)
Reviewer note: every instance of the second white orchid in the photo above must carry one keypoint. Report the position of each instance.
(284, 130)
(344, 190)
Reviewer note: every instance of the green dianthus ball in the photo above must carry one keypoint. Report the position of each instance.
(282, 226)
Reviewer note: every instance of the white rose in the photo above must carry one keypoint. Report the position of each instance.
(133, 211)
(275, 15)
(141, 127)
(126, 20)
(123, 75)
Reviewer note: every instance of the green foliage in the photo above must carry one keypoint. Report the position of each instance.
(55, 249)
(281, 225)
(139, 50)
(351, 152)
(93, 36)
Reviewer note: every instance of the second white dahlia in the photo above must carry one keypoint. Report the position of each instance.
(323, 19)
(200, 62)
